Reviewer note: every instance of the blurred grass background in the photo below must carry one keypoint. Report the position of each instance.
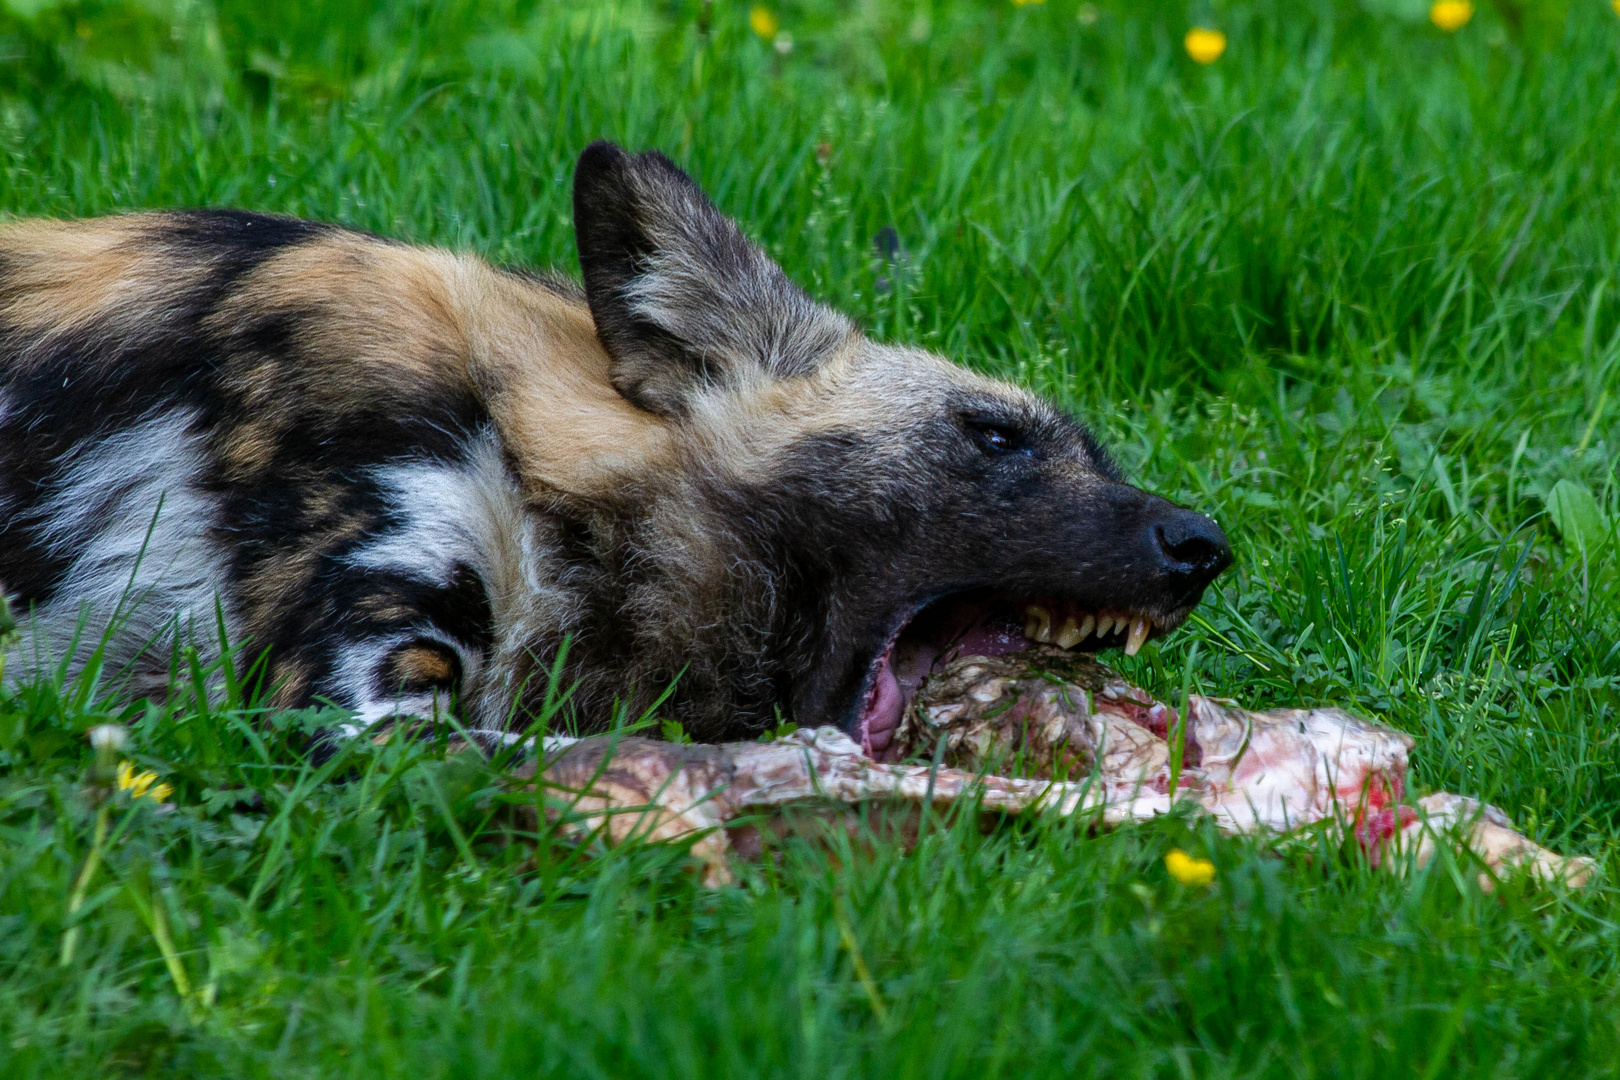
(1354, 288)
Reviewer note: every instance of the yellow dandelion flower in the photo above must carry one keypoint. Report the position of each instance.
(1188, 870)
(1616, 5)
(1205, 46)
(764, 23)
(1451, 15)
(139, 785)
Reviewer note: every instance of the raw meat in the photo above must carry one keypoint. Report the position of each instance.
(1043, 730)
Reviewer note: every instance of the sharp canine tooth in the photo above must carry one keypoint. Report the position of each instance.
(1069, 636)
(1039, 626)
(1139, 633)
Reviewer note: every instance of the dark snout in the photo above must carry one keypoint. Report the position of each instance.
(1191, 549)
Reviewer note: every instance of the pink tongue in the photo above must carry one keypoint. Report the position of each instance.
(883, 710)
(965, 629)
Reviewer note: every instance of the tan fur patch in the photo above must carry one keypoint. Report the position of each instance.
(292, 678)
(249, 449)
(276, 581)
(420, 666)
(371, 317)
(384, 609)
(280, 581)
(396, 319)
(546, 380)
(61, 276)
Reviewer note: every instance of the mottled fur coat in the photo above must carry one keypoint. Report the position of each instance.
(412, 480)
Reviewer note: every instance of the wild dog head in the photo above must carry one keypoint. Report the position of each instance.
(839, 515)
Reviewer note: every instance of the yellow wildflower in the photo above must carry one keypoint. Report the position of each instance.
(1205, 46)
(140, 785)
(1451, 15)
(1188, 870)
(764, 23)
(1616, 5)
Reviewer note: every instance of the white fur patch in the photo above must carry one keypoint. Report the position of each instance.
(128, 510)
(461, 513)
(452, 514)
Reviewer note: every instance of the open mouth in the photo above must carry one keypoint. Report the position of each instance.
(985, 624)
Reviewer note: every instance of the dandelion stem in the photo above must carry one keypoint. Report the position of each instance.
(171, 955)
(70, 940)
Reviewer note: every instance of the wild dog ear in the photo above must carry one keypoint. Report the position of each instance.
(682, 300)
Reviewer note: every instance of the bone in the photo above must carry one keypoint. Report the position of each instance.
(1082, 740)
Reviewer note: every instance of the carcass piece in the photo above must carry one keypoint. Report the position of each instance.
(1080, 738)
(1284, 768)
(622, 788)
(1041, 712)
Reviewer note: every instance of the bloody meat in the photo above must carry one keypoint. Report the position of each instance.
(1042, 730)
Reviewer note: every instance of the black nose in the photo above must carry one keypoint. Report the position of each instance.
(1193, 547)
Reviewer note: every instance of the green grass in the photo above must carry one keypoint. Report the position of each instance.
(1355, 289)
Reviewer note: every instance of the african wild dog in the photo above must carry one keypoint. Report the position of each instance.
(412, 476)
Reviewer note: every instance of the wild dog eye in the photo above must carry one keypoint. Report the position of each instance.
(996, 438)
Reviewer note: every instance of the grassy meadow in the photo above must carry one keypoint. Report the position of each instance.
(1353, 288)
